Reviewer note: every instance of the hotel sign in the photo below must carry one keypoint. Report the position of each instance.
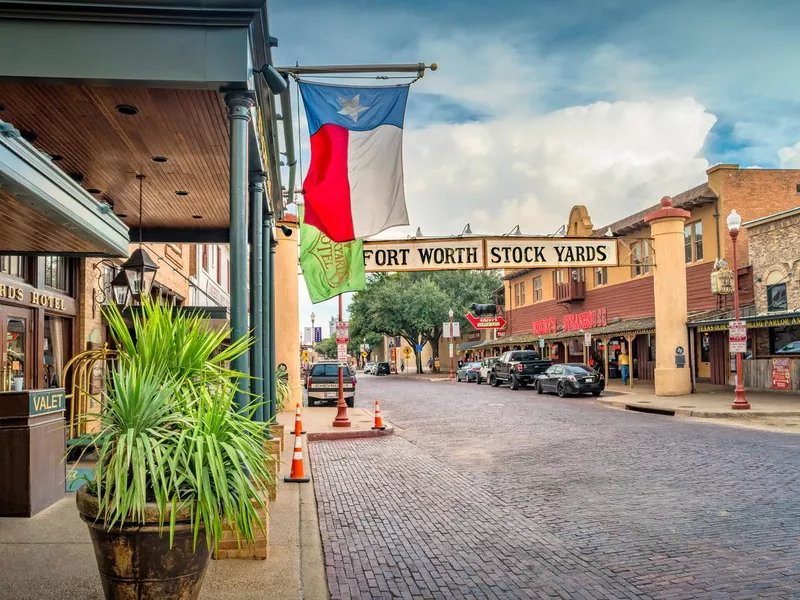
(439, 254)
(12, 292)
(45, 401)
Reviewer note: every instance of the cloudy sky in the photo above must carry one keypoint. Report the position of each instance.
(539, 105)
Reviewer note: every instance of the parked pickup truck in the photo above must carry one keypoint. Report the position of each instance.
(518, 368)
(322, 383)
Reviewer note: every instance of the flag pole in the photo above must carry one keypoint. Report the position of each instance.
(418, 68)
(341, 420)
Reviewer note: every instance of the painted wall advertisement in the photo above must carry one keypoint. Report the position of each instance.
(781, 376)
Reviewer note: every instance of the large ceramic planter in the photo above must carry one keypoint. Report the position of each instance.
(135, 560)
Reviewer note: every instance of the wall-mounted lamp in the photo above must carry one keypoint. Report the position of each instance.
(276, 81)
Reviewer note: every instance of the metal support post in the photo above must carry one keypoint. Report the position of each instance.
(239, 105)
(342, 419)
(257, 291)
(270, 366)
(269, 299)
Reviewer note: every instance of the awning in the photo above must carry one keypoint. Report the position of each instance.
(468, 345)
(46, 212)
(719, 322)
(624, 327)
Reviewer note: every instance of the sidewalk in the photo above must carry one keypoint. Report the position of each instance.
(57, 540)
(772, 411)
(318, 423)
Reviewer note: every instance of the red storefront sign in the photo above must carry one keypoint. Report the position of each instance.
(781, 376)
(543, 326)
(585, 320)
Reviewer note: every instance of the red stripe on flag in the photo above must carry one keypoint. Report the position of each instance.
(327, 187)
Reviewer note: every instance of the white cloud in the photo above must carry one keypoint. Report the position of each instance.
(616, 158)
(789, 156)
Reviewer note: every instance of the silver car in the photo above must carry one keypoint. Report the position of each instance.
(486, 368)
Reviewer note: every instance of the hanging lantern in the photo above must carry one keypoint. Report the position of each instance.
(140, 271)
(722, 278)
(119, 286)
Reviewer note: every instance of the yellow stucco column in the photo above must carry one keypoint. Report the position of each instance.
(287, 309)
(669, 280)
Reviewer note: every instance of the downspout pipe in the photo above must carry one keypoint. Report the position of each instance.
(716, 226)
(288, 141)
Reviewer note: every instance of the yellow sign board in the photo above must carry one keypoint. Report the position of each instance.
(517, 252)
(407, 352)
(364, 355)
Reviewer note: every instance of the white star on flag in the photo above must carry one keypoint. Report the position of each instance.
(352, 108)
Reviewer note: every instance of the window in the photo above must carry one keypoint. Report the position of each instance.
(57, 273)
(784, 340)
(330, 370)
(693, 241)
(776, 297)
(519, 293)
(559, 276)
(522, 292)
(640, 255)
(228, 276)
(204, 254)
(15, 266)
(600, 276)
(537, 289)
(705, 347)
(219, 265)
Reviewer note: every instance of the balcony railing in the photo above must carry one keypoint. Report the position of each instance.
(568, 292)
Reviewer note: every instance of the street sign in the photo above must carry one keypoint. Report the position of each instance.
(317, 335)
(305, 355)
(451, 349)
(486, 322)
(407, 352)
(419, 347)
(541, 342)
(364, 355)
(308, 335)
(587, 339)
(737, 336)
(341, 354)
(454, 333)
(342, 332)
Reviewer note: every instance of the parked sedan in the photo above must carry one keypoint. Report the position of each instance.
(469, 372)
(570, 378)
(382, 368)
(369, 368)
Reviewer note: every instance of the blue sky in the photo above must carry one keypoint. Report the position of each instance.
(538, 106)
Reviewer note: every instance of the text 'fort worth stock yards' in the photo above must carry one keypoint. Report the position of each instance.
(488, 253)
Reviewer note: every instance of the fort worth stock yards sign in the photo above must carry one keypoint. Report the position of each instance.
(438, 254)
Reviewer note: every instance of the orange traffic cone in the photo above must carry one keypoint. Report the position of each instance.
(378, 421)
(298, 421)
(297, 474)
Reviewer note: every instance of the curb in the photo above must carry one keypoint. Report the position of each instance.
(348, 434)
(701, 414)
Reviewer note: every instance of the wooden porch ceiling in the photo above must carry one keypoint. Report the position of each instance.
(106, 149)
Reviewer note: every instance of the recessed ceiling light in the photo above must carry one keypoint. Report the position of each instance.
(122, 215)
(159, 159)
(182, 193)
(29, 136)
(56, 157)
(127, 109)
(2, 107)
(76, 177)
(197, 216)
(94, 191)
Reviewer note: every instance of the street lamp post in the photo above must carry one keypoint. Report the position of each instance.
(740, 399)
(313, 332)
(452, 370)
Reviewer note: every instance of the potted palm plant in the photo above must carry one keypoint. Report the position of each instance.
(176, 462)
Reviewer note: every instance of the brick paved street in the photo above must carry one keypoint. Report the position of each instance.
(489, 493)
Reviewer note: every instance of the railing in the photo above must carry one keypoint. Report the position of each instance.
(81, 393)
(574, 290)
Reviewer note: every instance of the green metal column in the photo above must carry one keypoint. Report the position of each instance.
(239, 105)
(270, 366)
(268, 298)
(257, 291)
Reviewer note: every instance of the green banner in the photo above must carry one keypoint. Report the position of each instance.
(329, 268)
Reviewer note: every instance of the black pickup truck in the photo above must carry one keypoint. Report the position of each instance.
(518, 368)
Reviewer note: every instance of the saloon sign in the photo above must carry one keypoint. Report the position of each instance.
(438, 254)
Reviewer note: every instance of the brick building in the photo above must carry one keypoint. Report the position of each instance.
(553, 309)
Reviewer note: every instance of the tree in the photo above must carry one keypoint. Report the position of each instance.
(326, 348)
(415, 305)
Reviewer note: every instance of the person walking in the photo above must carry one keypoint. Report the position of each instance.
(624, 366)
(430, 364)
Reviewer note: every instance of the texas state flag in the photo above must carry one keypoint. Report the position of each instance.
(354, 186)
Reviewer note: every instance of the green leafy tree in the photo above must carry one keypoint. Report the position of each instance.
(326, 348)
(415, 305)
